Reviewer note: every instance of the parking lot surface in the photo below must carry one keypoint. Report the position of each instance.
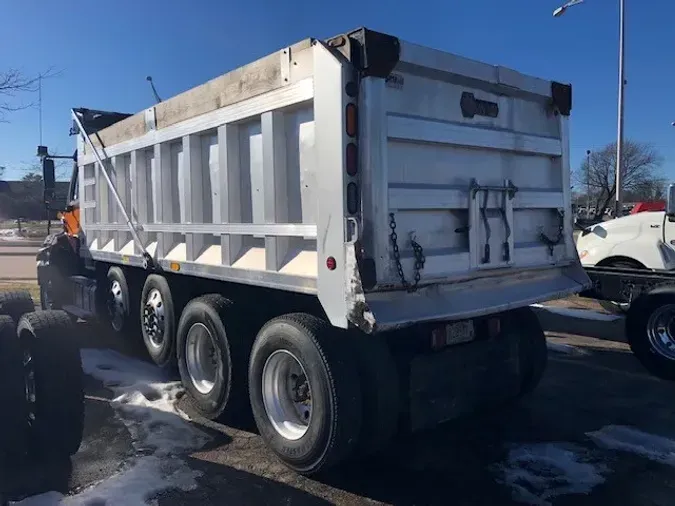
(598, 431)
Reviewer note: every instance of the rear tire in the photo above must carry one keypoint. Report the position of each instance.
(532, 348)
(212, 356)
(118, 307)
(54, 373)
(304, 392)
(14, 420)
(158, 321)
(650, 328)
(15, 304)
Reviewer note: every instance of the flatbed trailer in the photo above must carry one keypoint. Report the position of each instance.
(650, 317)
(344, 235)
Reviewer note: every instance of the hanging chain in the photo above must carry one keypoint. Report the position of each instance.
(417, 251)
(551, 243)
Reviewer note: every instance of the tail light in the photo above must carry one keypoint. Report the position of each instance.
(351, 120)
(352, 159)
(352, 198)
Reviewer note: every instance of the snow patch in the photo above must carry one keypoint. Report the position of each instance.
(567, 349)
(10, 234)
(583, 314)
(145, 402)
(537, 473)
(47, 499)
(617, 437)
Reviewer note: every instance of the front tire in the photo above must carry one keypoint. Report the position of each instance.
(118, 308)
(305, 393)
(650, 328)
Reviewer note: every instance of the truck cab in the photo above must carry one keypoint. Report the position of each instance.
(643, 240)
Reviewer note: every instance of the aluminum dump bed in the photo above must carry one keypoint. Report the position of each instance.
(298, 171)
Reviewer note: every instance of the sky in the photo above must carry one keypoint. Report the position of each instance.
(105, 50)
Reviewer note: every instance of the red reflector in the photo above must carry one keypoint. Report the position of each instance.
(352, 198)
(352, 159)
(331, 263)
(351, 120)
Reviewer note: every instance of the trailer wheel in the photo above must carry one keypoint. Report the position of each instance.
(305, 393)
(380, 392)
(118, 309)
(15, 304)
(53, 382)
(532, 348)
(212, 355)
(14, 419)
(650, 328)
(158, 321)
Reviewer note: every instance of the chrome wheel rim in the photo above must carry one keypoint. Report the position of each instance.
(116, 306)
(287, 395)
(202, 358)
(661, 331)
(153, 318)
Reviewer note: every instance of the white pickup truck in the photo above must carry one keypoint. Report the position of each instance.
(344, 235)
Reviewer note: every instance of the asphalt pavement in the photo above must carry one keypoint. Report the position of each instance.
(564, 446)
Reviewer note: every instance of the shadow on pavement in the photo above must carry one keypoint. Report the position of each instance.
(599, 329)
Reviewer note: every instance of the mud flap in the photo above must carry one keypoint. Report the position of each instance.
(463, 379)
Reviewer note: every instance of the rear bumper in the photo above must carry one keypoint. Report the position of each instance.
(473, 298)
(463, 379)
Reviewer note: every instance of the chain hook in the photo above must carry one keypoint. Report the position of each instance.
(418, 252)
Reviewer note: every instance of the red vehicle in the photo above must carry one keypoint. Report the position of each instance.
(641, 207)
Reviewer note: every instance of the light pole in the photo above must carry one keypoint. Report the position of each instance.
(618, 207)
(588, 184)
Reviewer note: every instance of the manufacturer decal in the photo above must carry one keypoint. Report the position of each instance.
(471, 106)
(394, 81)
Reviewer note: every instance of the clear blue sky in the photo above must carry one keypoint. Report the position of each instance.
(105, 50)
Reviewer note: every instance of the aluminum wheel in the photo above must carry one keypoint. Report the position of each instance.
(153, 318)
(116, 306)
(287, 394)
(661, 331)
(202, 358)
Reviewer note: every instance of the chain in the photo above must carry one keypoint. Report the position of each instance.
(551, 243)
(417, 251)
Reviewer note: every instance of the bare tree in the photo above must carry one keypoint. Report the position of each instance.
(14, 83)
(640, 173)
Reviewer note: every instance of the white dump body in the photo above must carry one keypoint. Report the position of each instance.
(245, 179)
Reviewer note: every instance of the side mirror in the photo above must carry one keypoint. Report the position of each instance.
(670, 202)
(48, 178)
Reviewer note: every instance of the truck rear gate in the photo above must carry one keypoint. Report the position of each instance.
(377, 186)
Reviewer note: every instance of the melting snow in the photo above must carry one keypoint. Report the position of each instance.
(9, 234)
(537, 473)
(145, 402)
(583, 314)
(617, 437)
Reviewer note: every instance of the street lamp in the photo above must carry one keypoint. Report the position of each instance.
(588, 184)
(618, 210)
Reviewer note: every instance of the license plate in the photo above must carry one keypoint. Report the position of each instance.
(453, 333)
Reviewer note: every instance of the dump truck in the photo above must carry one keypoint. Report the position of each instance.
(343, 236)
